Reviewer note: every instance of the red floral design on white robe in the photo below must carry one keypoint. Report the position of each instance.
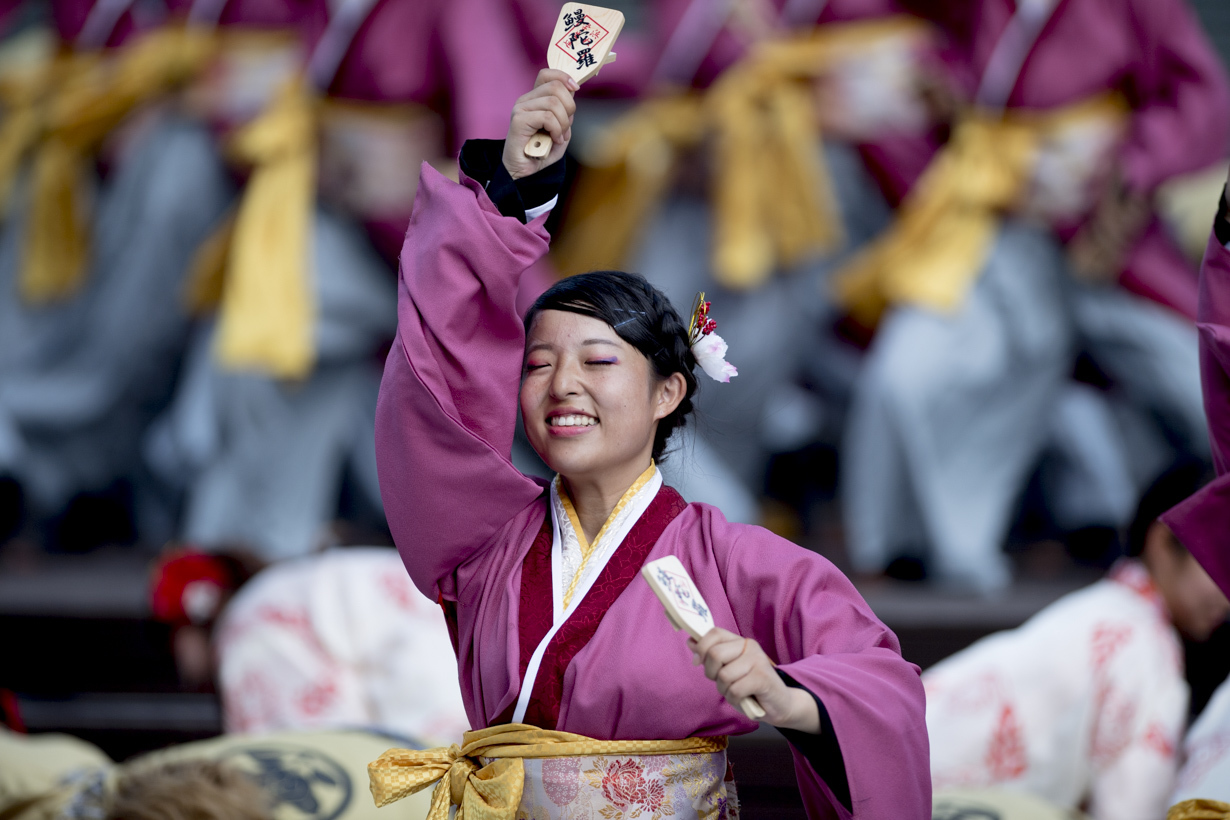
(1084, 702)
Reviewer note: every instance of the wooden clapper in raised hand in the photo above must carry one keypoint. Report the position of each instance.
(686, 609)
(580, 45)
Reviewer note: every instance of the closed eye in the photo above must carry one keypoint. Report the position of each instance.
(534, 366)
(603, 361)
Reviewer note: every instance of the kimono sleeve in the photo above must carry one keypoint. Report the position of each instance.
(1180, 94)
(1202, 521)
(448, 400)
(823, 636)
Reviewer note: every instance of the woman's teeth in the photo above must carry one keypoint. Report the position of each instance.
(572, 421)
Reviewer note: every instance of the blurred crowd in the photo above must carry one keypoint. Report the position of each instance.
(952, 245)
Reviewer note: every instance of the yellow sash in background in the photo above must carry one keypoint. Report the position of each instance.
(61, 112)
(944, 230)
(773, 203)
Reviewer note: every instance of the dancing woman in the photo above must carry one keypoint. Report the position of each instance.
(583, 700)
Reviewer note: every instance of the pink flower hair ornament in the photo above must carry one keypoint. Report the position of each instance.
(708, 347)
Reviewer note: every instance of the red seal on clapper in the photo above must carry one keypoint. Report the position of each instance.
(582, 34)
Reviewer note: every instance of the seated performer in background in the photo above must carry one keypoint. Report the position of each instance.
(274, 409)
(775, 121)
(1087, 700)
(1030, 239)
(551, 625)
(91, 265)
(341, 640)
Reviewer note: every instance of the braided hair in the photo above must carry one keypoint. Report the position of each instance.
(642, 316)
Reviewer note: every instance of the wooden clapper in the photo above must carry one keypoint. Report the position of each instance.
(686, 609)
(580, 45)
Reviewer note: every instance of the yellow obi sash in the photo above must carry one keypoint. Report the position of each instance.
(61, 112)
(1199, 810)
(493, 790)
(773, 204)
(944, 230)
(257, 267)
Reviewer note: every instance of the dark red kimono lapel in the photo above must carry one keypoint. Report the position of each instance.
(536, 610)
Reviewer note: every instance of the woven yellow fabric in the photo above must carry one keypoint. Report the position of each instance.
(493, 791)
(1199, 810)
(86, 97)
(773, 203)
(267, 309)
(945, 227)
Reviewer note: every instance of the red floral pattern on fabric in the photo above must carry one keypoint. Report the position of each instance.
(1113, 728)
(1006, 756)
(1108, 638)
(624, 565)
(1156, 739)
(624, 785)
(396, 585)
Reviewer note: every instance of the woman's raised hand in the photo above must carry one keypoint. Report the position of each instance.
(549, 107)
(741, 669)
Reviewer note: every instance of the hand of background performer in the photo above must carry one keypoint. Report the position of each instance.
(1098, 251)
(741, 669)
(549, 107)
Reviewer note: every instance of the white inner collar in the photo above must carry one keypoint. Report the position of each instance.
(566, 562)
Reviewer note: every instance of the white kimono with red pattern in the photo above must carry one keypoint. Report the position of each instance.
(1084, 704)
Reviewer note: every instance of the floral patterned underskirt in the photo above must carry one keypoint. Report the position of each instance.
(691, 786)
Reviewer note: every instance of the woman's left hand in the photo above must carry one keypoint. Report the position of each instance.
(741, 669)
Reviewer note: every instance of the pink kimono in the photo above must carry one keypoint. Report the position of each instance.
(467, 523)
(1202, 523)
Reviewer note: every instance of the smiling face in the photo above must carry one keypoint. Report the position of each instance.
(591, 401)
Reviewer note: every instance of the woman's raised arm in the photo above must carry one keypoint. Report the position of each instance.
(448, 400)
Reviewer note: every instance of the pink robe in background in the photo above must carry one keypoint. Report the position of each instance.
(464, 520)
(306, 17)
(1155, 53)
(1202, 523)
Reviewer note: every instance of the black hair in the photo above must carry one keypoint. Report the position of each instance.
(1179, 482)
(642, 316)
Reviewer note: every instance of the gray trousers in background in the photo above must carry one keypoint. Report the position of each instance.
(80, 379)
(953, 412)
(775, 331)
(261, 460)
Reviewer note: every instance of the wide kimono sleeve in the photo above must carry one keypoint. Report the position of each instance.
(873, 752)
(1202, 522)
(448, 401)
(1179, 93)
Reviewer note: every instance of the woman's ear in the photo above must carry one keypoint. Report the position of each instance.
(671, 391)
